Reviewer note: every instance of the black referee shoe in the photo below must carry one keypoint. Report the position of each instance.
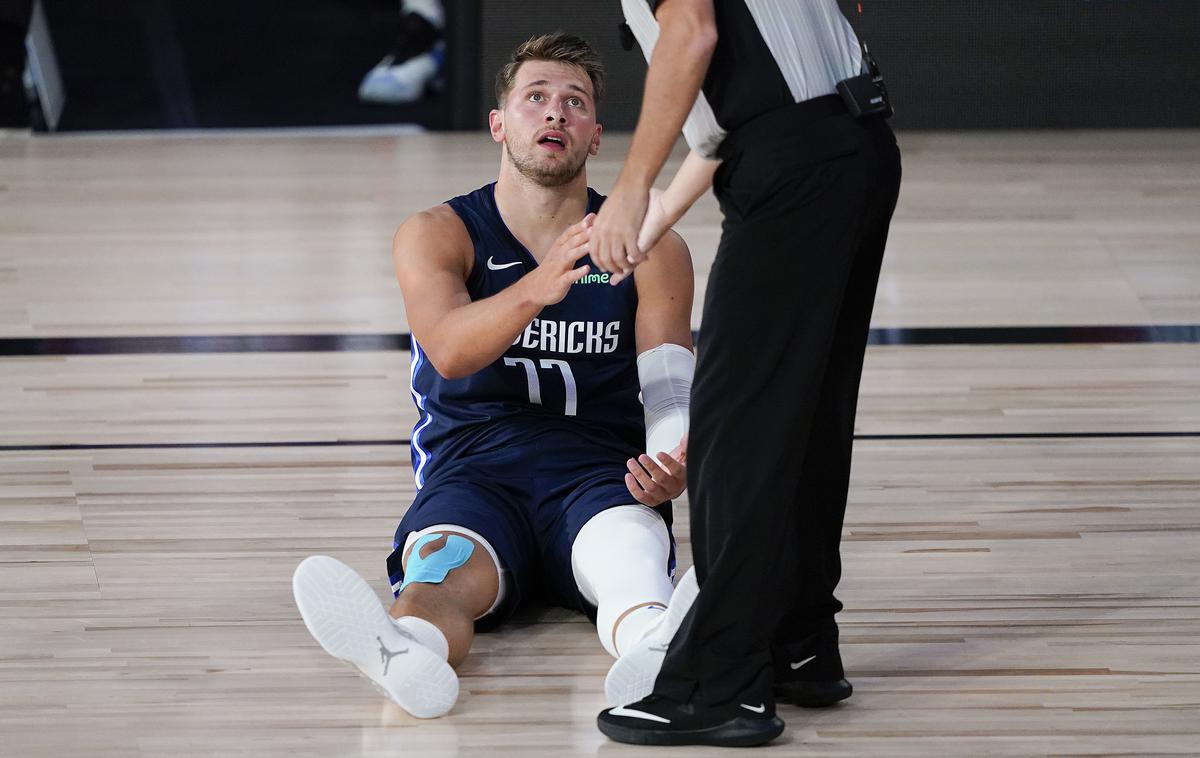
(809, 673)
(655, 720)
(814, 694)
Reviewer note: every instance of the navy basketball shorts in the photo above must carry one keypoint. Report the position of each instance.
(529, 505)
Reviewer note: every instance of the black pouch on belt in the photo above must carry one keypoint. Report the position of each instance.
(866, 94)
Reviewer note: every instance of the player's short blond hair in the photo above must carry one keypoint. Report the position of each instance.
(556, 46)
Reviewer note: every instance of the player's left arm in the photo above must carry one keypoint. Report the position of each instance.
(663, 330)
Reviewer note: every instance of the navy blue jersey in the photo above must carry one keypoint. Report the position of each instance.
(572, 371)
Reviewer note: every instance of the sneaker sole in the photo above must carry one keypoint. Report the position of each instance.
(345, 616)
(632, 676)
(814, 694)
(739, 732)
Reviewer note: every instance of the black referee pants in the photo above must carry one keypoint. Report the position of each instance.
(807, 193)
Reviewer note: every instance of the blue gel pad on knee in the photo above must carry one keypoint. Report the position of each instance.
(432, 569)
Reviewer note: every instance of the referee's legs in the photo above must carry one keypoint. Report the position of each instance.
(772, 303)
(808, 628)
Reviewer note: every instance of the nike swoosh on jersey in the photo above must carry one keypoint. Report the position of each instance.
(755, 708)
(500, 266)
(801, 663)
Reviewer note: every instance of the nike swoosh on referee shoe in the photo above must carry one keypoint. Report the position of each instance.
(801, 663)
(499, 266)
(635, 714)
(755, 708)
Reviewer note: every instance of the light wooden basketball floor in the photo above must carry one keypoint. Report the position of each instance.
(1022, 544)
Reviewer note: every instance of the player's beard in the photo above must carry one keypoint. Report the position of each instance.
(554, 174)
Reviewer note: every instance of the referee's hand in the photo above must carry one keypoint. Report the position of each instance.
(615, 234)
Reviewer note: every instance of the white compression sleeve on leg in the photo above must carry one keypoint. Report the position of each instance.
(665, 373)
(620, 564)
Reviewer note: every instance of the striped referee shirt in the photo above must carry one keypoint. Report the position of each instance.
(769, 54)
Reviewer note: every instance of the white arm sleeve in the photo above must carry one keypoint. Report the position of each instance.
(666, 377)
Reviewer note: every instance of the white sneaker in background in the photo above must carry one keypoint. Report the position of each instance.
(401, 83)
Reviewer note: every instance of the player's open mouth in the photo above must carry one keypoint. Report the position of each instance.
(553, 141)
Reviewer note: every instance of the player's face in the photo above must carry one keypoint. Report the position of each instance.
(548, 124)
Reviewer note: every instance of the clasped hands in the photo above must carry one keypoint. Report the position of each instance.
(629, 224)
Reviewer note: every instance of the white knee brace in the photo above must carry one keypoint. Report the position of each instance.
(620, 564)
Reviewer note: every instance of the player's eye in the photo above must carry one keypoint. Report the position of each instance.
(536, 97)
(575, 102)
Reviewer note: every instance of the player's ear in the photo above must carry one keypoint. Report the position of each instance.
(594, 148)
(496, 124)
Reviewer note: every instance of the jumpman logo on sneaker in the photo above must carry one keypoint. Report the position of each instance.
(801, 663)
(386, 656)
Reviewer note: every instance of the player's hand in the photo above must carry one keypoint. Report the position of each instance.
(680, 451)
(615, 235)
(550, 282)
(656, 223)
(654, 483)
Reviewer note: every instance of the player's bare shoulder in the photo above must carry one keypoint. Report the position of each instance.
(672, 247)
(668, 266)
(435, 237)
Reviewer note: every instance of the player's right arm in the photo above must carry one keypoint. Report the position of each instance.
(433, 255)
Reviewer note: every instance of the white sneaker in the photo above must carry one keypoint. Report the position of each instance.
(632, 677)
(344, 614)
(400, 83)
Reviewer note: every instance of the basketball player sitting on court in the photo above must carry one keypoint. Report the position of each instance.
(533, 453)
